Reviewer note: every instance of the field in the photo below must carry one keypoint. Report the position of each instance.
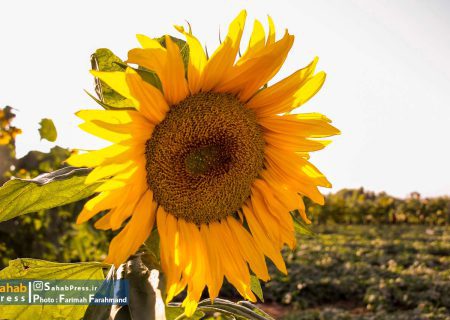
(365, 272)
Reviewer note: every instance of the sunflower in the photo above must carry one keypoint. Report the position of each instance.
(214, 159)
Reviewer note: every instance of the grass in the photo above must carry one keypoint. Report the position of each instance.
(365, 272)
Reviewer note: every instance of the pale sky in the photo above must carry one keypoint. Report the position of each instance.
(387, 89)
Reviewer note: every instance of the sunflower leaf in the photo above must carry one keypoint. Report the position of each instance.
(240, 312)
(214, 311)
(177, 313)
(104, 105)
(151, 247)
(300, 226)
(48, 130)
(182, 45)
(147, 75)
(255, 286)
(104, 60)
(49, 190)
(254, 308)
(44, 270)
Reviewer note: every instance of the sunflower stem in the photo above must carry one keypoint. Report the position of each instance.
(144, 300)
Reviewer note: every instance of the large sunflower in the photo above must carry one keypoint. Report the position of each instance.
(214, 159)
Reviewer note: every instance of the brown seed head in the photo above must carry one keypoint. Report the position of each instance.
(204, 156)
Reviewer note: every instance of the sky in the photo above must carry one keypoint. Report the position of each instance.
(387, 64)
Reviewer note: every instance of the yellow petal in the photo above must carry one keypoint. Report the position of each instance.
(175, 87)
(184, 255)
(269, 248)
(302, 211)
(161, 220)
(167, 248)
(85, 215)
(279, 98)
(197, 61)
(119, 132)
(214, 278)
(294, 143)
(276, 178)
(267, 221)
(117, 125)
(190, 305)
(249, 249)
(276, 209)
(153, 59)
(168, 65)
(117, 81)
(195, 253)
(309, 89)
(122, 212)
(256, 43)
(236, 270)
(296, 167)
(118, 121)
(135, 232)
(247, 77)
(112, 116)
(104, 201)
(174, 255)
(148, 43)
(98, 129)
(104, 223)
(107, 171)
(97, 157)
(111, 184)
(150, 101)
(271, 37)
(135, 175)
(312, 125)
(223, 58)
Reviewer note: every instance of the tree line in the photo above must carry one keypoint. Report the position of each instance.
(359, 206)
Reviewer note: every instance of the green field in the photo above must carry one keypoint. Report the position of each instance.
(365, 272)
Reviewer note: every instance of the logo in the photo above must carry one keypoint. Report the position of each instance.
(63, 292)
(38, 285)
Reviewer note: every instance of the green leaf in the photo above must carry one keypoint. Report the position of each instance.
(177, 312)
(255, 309)
(149, 76)
(255, 286)
(300, 226)
(104, 60)
(44, 270)
(241, 310)
(146, 75)
(104, 105)
(151, 247)
(48, 130)
(49, 190)
(182, 45)
(233, 309)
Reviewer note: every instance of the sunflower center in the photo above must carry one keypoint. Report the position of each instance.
(204, 156)
(205, 159)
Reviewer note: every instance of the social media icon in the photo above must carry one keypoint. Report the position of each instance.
(38, 285)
